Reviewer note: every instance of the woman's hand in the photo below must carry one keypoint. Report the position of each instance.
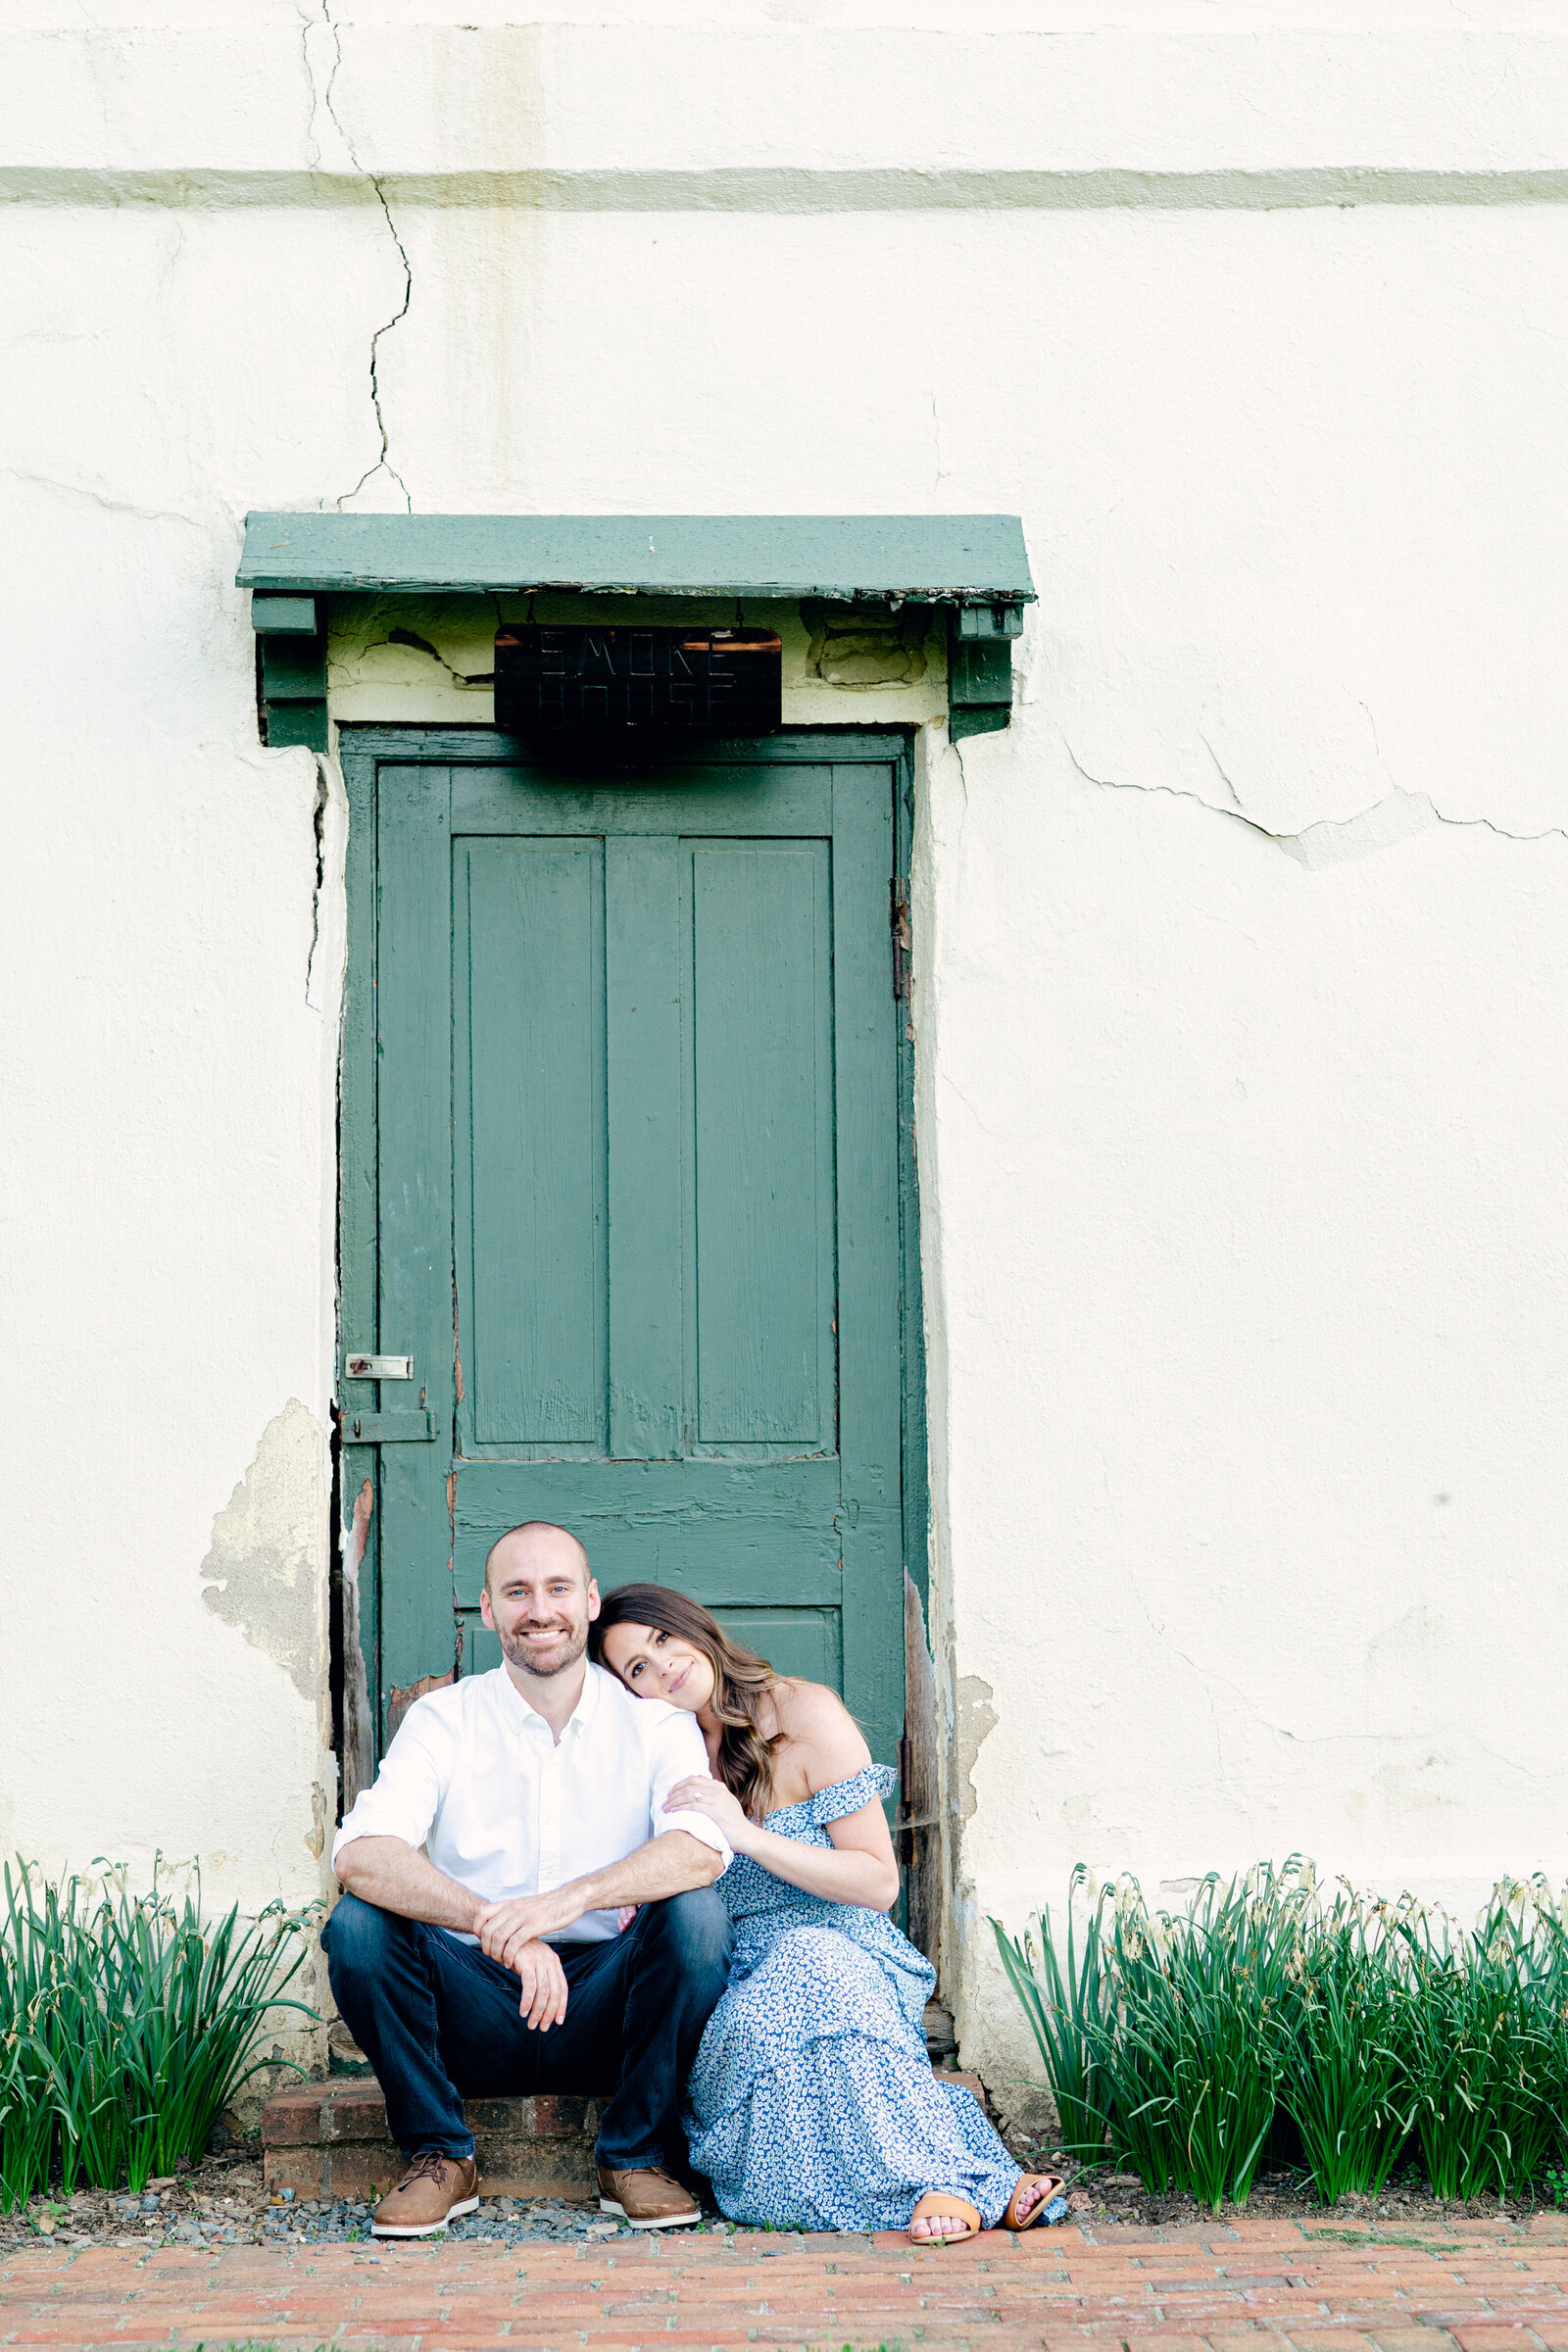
(703, 1795)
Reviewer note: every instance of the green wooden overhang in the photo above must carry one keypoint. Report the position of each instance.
(975, 565)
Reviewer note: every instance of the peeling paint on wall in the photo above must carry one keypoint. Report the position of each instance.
(268, 1563)
(359, 1730)
(861, 648)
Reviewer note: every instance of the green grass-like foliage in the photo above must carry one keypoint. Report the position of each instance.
(1063, 1995)
(1174, 2043)
(126, 2025)
(1341, 2066)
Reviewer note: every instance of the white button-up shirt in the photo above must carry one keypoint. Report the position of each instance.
(477, 1778)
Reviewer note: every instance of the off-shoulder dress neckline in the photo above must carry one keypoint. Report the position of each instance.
(879, 1774)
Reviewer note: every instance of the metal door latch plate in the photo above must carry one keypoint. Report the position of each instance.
(388, 1429)
(379, 1367)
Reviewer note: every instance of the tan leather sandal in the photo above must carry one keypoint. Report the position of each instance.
(937, 2201)
(1026, 2180)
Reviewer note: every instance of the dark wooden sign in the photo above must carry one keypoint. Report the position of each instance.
(601, 687)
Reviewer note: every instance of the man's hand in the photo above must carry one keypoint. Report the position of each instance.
(544, 1985)
(502, 1929)
(513, 1933)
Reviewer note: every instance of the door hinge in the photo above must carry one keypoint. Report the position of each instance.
(899, 914)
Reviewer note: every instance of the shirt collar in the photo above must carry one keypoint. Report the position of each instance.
(581, 1715)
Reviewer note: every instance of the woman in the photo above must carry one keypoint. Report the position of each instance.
(813, 2101)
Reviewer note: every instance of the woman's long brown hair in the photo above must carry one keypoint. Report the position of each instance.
(740, 1679)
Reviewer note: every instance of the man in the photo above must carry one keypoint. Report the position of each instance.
(478, 1950)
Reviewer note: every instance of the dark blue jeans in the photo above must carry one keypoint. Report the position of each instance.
(439, 2023)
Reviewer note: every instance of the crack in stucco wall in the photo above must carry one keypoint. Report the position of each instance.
(473, 680)
(383, 463)
(1392, 818)
(107, 506)
(319, 829)
(325, 958)
(267, 1567)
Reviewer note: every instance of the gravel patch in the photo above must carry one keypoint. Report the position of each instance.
(223, 2202)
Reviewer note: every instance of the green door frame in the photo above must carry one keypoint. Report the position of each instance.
(365, 750)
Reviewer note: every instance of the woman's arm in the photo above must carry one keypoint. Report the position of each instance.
(822, 1737)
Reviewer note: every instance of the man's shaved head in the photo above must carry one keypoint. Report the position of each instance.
(543, 1533)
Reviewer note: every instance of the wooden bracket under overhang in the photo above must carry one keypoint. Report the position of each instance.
(973, 566)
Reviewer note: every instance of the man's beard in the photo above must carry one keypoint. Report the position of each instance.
(516, 1651)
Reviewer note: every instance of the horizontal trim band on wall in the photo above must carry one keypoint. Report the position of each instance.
(790, 189)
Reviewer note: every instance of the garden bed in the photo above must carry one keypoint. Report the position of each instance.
(1295, 2050)
(128, 2021)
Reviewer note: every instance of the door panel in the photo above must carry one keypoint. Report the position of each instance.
(745, 1533)
(762, 1201)
(638, 1195)
(531, 1140)
(649, 985)
(802, 1641)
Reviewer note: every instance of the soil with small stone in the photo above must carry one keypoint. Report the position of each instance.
(1405, 2205)
(223, 2202)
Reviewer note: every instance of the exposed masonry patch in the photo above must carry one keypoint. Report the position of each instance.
(1334, 841)
(267, 1561)
(974, 1719)
(383, 463)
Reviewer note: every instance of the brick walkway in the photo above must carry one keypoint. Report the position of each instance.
(1252, 2286)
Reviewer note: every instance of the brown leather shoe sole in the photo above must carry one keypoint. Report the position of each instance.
(424, 2228)
(661, 2221)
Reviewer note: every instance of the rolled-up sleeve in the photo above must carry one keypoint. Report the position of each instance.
(680, 1755)
(405, 1795)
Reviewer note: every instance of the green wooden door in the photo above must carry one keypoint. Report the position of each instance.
(636, 1210)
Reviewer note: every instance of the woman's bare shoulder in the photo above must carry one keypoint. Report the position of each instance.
(823, 1736)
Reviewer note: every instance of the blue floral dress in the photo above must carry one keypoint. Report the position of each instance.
(812, 2104)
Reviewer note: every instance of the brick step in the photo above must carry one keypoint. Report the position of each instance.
(330, 2140)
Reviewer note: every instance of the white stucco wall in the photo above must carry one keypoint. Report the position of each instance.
(1240, 958)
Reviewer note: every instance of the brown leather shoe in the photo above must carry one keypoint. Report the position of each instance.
(647, 2200)
(433, 2191)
